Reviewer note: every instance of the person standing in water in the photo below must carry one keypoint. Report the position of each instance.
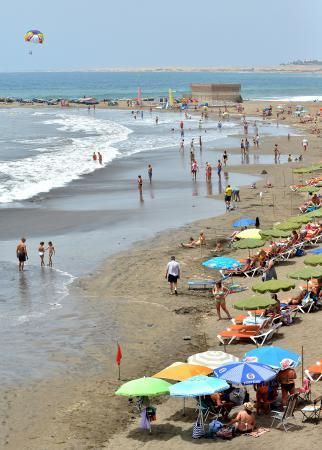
(150, 173)
(140, 183)
(219, 167)
(51, 253)
(94, 157)
(100, 158)
(41, 253)
(225, 157)
(157, 120)
(22, 254)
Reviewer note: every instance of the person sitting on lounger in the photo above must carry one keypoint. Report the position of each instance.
(297, 299)
(245, 420)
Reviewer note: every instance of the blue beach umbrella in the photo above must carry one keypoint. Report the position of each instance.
(222, 263)
(198, 386)
(316, 251)
(245, 373)
(245, 222)
(272, 356)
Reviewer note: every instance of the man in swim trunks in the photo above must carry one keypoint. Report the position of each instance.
(228, 194)
(21, 252)
(172, 274)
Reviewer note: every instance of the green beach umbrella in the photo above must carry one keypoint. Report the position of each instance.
(306, 273)
(274, 233)
(308, 189)
(249, 244)
(288, 226)
(313, 260)
(252, 303)
(319, 184)
(273, 286)
(299, 219)
(315, 213)
(303, 170)
(144, 387)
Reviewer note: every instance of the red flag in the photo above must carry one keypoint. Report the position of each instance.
(118, 354)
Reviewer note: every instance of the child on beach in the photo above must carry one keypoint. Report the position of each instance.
(41, 253)
(51, 253)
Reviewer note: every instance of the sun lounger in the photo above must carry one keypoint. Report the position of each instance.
(314, 372)
(201, 284)
(258, 335)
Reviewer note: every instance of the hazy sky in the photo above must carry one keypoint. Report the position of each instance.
(108, 33)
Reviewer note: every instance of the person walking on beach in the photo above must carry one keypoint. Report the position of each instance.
(150, 173)
(242, 147)
(172, 274)
(100, 158)
(51, 253)
(94, 157)
(220, 293)
(225, 157)
(181, 145)
(228, 194)
(246, 145)
(41, 253)
(305, 144)
(181, 125)
(208, 171)
(194, 169)
(277, 154)
(219, 167)
(157, 120)
(200, 143)
(140, 183)
(22, 254)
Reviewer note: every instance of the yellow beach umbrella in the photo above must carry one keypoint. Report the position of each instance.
(250, 233)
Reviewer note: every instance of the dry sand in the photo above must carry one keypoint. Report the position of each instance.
(82, 413)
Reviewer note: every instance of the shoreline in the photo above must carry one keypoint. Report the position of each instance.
(83, 416)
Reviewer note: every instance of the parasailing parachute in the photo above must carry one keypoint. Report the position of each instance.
(34, 37)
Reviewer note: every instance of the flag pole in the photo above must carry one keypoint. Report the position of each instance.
(119, 378)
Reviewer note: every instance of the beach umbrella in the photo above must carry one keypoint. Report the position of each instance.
(272, 356)
(198, 386)
(274, 233)
(222, 263)
(273, 286)
(306, 273)
(303, 170)
(313, 260)
(245, 373)
(249, 243)
(212, 358)
(250, 233)
(316, 251)
(315, 213)
(144, 387)
(308, 189)
(319, 184)
(245, 222)
(182, 371)
(299, 219)
(253, 303)
(288, 226)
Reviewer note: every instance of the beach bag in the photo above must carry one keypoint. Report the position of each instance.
(226, 433)
(215, 426)
(299, 252)
(151, 413)
(197, 431)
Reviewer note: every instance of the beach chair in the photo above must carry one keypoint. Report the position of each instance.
(307, 304)
(283, 417)
(314, 372)
(201, 285)
(305, 390)
(253, 333)
(312, 411)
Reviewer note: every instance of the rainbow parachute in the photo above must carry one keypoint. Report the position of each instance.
(35, 37)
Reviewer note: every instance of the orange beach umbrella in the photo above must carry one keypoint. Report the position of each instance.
(182, 371)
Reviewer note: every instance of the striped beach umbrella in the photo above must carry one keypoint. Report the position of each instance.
(212, 359)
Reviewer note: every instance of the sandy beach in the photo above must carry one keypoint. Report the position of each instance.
(79, 409)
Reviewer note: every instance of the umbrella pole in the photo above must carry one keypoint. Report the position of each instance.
(302, 357)
(184, 407)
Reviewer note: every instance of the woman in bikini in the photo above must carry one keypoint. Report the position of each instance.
(220, 293)
(51, 253)
(41, 253)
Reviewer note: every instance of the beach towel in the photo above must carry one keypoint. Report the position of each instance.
(258, 432)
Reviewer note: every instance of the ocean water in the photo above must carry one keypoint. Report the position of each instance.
(297, 86)
(41, 325)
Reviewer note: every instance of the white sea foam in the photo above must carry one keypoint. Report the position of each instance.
(65, 163)
(299, 98)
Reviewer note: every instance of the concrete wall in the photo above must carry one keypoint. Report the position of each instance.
(216, 93)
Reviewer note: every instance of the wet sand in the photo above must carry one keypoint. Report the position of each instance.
(78, 410)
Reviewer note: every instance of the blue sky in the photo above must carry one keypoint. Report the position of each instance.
(108, 33)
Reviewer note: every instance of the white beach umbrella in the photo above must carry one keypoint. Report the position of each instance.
(212, 359)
